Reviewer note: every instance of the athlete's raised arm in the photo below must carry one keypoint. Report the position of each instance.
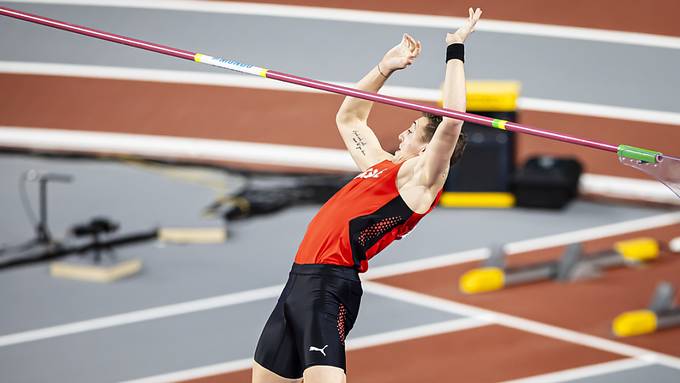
(437, 157)
(352, 117)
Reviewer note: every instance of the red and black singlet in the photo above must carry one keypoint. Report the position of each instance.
(359, 221)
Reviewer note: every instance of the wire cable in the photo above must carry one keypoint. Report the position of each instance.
(25, 202)
(30, 214)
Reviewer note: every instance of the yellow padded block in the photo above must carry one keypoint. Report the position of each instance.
(482, 280)
(491, 96)
(638, 249)
(477, 199)
(634, 323)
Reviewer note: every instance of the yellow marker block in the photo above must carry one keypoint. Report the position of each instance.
(480, 199)
(638, 249)
(197, 57)
(192, 235)
(482, 280)
(634, 323)
(263, 73)
(491, 96)
(95, 273)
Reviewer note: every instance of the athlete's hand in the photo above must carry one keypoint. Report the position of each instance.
(463, 32)
(401, 56)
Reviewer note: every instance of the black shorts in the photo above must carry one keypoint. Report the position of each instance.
(315, 312)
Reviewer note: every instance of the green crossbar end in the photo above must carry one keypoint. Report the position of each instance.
(645, 155)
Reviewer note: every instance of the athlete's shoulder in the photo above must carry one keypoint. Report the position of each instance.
(408, 170)
(413, 173)
(418, 196)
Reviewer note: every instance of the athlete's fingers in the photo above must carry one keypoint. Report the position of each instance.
(477, 15)
(414, 47)
(411, 42)
(404, 41)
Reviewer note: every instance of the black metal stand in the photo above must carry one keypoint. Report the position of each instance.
(42, 232)
(64, 251)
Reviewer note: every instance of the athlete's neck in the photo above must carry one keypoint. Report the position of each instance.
(399, 158)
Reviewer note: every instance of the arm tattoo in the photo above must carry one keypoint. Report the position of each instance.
(359, 142)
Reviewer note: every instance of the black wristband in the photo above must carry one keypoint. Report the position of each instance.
(455, 51)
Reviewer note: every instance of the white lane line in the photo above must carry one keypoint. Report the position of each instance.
(352, 344)
(153, 75)
(182, 147)
(422, 331)
(584, 372)
(603, 231)
(142, 315)
(524, 246)
(377, 272)
(198, 372)
(242, 81)
(595, 110)
(626, 188)
(385, 18)
(266, 154)
(428, 263)
(521, 324)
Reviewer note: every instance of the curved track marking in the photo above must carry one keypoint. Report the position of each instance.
(378, 272)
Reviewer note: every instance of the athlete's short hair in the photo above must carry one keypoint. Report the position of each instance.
(433, 122)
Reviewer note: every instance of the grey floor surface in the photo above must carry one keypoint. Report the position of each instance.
(560, 69)
(177, 273)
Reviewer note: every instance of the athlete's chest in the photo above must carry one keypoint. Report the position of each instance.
(380, 179)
